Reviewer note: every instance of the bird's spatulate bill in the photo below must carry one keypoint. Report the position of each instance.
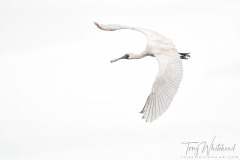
(123, 57)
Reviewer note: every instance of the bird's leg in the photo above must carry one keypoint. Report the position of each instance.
(184, 55)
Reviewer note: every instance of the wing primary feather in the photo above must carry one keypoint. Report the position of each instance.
(150, 110)
(147, 108)
(165, 86)
(144, 108)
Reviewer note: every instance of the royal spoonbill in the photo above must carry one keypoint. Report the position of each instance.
(169, 72)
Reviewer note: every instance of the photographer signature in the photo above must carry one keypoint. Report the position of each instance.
(197, 148)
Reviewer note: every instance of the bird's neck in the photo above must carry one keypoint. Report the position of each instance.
(136, 56)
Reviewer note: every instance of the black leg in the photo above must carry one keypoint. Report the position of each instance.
(184, 55)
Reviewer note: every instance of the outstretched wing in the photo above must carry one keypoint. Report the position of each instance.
(165, 86)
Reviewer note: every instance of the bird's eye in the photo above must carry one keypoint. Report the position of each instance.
(126, 56)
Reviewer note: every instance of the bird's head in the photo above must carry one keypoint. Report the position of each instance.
(126, 56)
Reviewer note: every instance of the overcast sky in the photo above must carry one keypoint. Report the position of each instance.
(61, 98)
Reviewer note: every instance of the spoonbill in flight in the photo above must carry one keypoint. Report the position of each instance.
(169, 72)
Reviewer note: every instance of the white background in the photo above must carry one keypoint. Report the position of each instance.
(61, 98)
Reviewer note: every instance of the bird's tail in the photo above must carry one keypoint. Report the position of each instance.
(113, 27)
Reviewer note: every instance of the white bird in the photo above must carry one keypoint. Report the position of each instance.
(169, 72)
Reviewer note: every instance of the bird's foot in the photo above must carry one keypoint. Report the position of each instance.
(184, 55)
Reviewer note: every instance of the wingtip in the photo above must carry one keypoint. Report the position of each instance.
(97, 24)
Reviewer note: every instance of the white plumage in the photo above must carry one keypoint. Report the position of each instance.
(169, 73)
